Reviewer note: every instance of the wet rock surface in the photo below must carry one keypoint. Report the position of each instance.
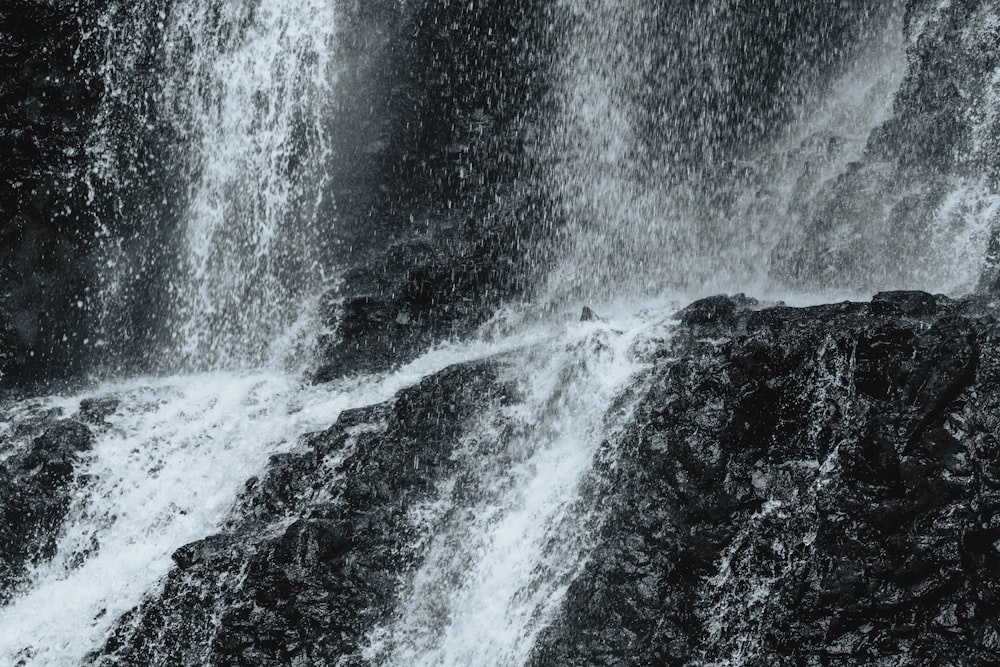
(36, 487)
(313, 556)
(437, 210)
(806, 486)
(930, 165)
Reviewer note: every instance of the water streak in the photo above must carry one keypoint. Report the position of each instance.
(509, 532)
(241, 92)
(164, 473)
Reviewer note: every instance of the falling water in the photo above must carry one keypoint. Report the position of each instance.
(244, 88)
(241, 91)
(653, 217)
(163, 472)
(657, 204)
(514, 525)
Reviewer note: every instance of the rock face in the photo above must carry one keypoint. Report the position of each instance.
(928, 174)
(794, 486)
(813, 486)
(437, 221)
(48, 96)
(313, 555)
(35, 492)
(457, 161)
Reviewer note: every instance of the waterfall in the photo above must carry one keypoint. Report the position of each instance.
(212, 136)
(649, 180)
(680, 149)
(515, 524)
(661, 199)
(243, 90)
(164, 471)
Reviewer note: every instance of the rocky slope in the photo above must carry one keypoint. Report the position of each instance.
(794, 486)
(812, 487)
(313, 554)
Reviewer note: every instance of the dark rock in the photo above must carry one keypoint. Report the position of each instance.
(858, 428)
(35, 493)
(96, 410)
(716, 310)
(421, 296)
(313, 556)
(48, 100)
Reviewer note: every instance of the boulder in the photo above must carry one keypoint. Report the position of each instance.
(36, 487)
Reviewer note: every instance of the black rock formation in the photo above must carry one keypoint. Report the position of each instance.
(795, 486)
(803, 486)
(36, 487)
(312, 558)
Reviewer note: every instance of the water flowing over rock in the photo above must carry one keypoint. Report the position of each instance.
(802, 487)
(527, 332)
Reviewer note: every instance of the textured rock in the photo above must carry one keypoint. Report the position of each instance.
(313, 556)
(803, 486)
(794, 486)
(36, 486)
(928, 177)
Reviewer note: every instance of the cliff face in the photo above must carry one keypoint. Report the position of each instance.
(928, 174)
(48, 97)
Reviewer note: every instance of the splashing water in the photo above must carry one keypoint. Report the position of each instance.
(644, 222)
(163, 473)
(514, 526)
(244, 90)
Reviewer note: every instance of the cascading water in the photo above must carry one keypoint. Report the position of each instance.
(662, 200)
(244, 90)
(514, 525)
(163, 472)
(665, 187)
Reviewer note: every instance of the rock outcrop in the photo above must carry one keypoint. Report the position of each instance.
(36, 488)
(803, 486)
(794, 486)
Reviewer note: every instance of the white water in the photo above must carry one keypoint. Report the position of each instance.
(636, 226)
(244, 90)
(253, 102)
(246, 87)
(513, 527)
(164, 473)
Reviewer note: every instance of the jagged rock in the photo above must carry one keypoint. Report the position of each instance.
(415, 296)
(96, 410)
(811, 490)
(35, 493)
(313, 556)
